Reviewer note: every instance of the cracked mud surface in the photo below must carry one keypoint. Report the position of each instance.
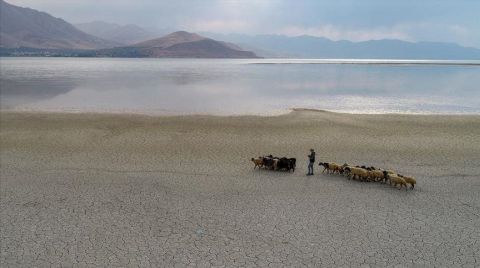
(104, 190)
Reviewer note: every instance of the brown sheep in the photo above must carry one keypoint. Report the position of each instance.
(409, 180)
(334, 167)
(330, 167)
(396, 180)
(258, 162)
(376, 175)
(385, 173)
(370, 176)
(360, 173)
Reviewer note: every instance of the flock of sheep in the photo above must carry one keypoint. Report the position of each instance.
(275, 163)
(361, 173)
(370, 174)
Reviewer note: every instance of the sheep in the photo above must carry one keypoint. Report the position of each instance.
(346, 169)
(385, 173)
(258, 162)
(370, 176)
(334, 167)
(409, 180)
(325, 165)
(270, 162)
(342, 168)
(360, 173)
(376, 175)
(275, 164)
(330, 167)
(286, 164)
(396, 180)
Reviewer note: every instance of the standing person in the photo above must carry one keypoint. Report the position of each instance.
(311, 158)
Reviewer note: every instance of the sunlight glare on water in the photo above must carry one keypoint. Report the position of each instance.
(234, 87)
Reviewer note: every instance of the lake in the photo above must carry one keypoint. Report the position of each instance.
(233, 87)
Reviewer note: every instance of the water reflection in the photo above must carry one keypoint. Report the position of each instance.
(179, 86)
(26, 91)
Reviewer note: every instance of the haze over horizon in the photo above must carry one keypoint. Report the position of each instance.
(446, 21)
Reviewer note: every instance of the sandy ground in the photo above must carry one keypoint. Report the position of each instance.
(128, 190)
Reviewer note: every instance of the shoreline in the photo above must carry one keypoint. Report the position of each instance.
(174, 114)
(366, 61)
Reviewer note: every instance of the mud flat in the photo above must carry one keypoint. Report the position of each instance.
(130, 190)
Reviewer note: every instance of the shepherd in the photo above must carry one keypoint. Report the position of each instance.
(311, 158)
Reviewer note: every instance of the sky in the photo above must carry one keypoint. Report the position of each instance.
(456, 21)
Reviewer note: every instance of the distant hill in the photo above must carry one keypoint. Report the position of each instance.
(124, 34)
(170, 40)
(28, 32)
(319, 47)
(25, 27)
(179, 44)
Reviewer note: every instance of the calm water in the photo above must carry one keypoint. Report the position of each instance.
(185, 86)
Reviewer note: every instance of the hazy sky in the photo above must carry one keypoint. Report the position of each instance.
(414, 20)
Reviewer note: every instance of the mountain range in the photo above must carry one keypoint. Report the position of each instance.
(25, 27)
(28, 32)
(24, 31)
(280, 46)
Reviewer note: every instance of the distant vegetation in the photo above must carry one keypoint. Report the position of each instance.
(44, 52)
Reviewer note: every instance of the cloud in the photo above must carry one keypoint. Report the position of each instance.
(219, 26)
(432, 20)
(440, 32)
(458, 30)
(341, 33)
(411, 31)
